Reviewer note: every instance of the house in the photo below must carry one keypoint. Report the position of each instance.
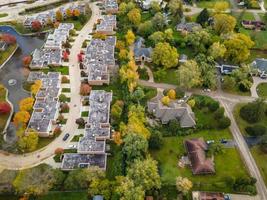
(188, 27)
(98, 197)
(146, 4)
(46, 106)
(111, 6)
(227, 69)
(175, 110)
(196, 150)
(107, 25)
(261, 65)
(197, 195)
(92, 146)
(142, 53)
(253, 25)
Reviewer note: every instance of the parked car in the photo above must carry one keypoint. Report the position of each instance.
(66, 136)
(72, 146)
(224, 141)
(210, 141)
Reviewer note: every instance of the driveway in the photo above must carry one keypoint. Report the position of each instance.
(14, 161)
(256, 82)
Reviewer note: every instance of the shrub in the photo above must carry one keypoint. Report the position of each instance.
(171, 94)
(5, 108)
(63, 98)
(191, 103)
(165, 100)
(256, 130)
(65, 79)
(179, 92)
(155, 140)
(219, 113)
(213, 106)
(224, 122)
(253, 112)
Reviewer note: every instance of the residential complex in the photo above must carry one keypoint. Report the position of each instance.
(107, 25)
(111, 6)
(91, 147)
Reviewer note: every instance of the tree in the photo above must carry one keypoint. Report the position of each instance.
(224, 122)
(191, 103)
(36, 25)
(127, 190)
(199, 40)
(64, 108)
(217, 50)
(130, 37)
(9, 39)
(171, 94)
(85, 89)
(256, 130)
(253, 112)
(81, 178)
(166, 55)
(36, 87)
(165, 101)
(21, 117)
(145, 174)
(263, 144)
(134, 16)
(38, 180)
(155, 7)
(134, 147)
(179, 92)
(69, 13)
(80, 121)
(122, 8)
(138, 94)
(183, 185)
(176, 9)
(220, 6)
(228, 82)
(5, 108)
(245, 85)
(63, 98)
(116, 136)
(237, 48)
(26, 104)
(158, 21)
(59, 16)
(76, 13)
(28, 142)
(59, 151)
(65, 56)
(157, 37)
(145, 28)
(116, 110)
(64, 79)
(155, 140)
(123, 54)
(26, 61)
(102, 187)
(203, 17)
(100, 36)
(189, 74)
(224, 23)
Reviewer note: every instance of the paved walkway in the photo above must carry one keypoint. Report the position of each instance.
(14, 161)
(256, 82)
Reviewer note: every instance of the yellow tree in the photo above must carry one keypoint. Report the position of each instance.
(29, 142)
(134, 16)
(220, 6)
(183, 185)
(69, 12)
(26, 104)
(59, 16)
(165, 100)
(171, 94)
(129, 37)
(21, 118)
(224, 23)
(123, 54)
(117, 138)
(36, 87)
(76, 13)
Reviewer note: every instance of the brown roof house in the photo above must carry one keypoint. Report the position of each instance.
(207, 195)
(196, 149)
(175, 110)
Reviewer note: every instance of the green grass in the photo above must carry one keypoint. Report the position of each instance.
(169, 78)
(208, 4)
(242, 124)
(235, 90)
(64, 70)
(3, 117)
(44, 142)
(261, 160)
(227, 164)
(259, 37)
(262, 90)
(65, 196)
(17, 26)
(4, 55)
(76, 138)
(85, 113)
(248, 16)
(146, 16)
(3, 15)
(66, 90)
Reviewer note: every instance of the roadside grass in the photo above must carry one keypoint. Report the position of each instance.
(242, 124)
(228, 164)
(4, 55)
(209, 4)
(42, 142)
(76, 138)
(261, 160)
(64, 70)
(85, 114)
(235, 90)
(3, 15)
(262, 90)
(66, 90)
(3, 117)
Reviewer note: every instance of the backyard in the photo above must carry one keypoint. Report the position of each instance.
(228, 164)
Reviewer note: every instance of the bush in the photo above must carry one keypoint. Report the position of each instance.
(256, 130)
(179, 92)
(219, 113)
(253, 112)
(213, 106)
(224, 122)
(155, 140)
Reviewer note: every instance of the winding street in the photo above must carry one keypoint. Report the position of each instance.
(15, 161)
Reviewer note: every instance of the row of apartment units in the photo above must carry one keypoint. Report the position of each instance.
(46, 106)
(51, 53)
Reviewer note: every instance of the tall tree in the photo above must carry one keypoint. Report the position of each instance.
(217, 50)
(224, 23)
(134, 16)
(29, 142)
(26, 104)
(220, 6)
(199, 40)
(21, 118)
(36, 87)
(183, 185)
(130, 37)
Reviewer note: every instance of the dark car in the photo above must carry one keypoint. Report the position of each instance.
(66, 136)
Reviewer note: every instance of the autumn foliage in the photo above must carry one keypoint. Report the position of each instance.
(26, 104)
(65, 56)
(36, 25)
(85, 89)
(26, 61)
(9, 39)
(21, 118)
(59, 151)
(36, 87)
(5, 108)
(117, 138)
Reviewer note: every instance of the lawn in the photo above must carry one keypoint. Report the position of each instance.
(259, 37)
(17, 26)
(4, 55)
(170, 77)
(85, 114)
(262, 90)
(3, 117)
(44, 142)
(208, 4)
(3, 15)
(64, 70)
(261, 160)
(242, 124)
(227, 164)
(66, 90)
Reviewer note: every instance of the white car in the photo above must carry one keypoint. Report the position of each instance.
(72, 146)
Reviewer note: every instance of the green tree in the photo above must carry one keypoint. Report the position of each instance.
(220, 6)
(189, 74)
(166, 55)
(217, 50)
(176, 9)
(145, 173)
(155, 7)
(134, 16)
(228, 83)
(145, 28)
(158, 21)
(155, 140)
(116, 109)
(253, 112)
(157, 37)
(203, 17)
(134, 147)
(199, 40)
(122, 8)
(28, 142)
(102, 187)
(183, 185)
(224, 23)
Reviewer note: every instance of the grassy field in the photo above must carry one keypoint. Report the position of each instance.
(3, 118)
(208, 4)
(227, 164)
(4, 55)
(261, 160)
(170, 77)
(262, 90)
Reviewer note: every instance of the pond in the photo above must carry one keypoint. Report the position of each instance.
(12, 74)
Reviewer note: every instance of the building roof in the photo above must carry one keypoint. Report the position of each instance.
(196, 152)
(189, 26)
(207, 195)
(261, 64)
(98, 197)
(140, 50)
